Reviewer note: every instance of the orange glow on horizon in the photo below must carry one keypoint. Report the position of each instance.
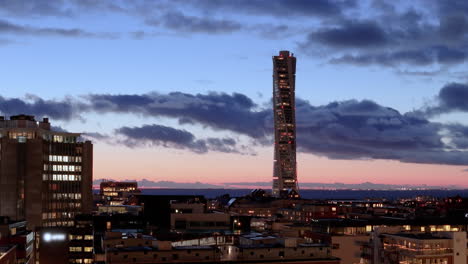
(163, 164)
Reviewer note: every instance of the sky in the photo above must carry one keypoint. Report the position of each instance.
(181, 90)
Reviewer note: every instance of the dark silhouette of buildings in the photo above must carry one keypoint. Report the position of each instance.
(45, 175)
(284, 82)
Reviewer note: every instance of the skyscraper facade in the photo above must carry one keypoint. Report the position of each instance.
(45, 175)
(284, 81)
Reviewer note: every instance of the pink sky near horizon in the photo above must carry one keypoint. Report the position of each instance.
(164, 164)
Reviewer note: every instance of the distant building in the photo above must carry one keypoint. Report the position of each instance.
(45, 175)
(117, 193)
(119, 209)
(284, 83)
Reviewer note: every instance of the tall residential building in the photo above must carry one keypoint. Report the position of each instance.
(45, 175)
(284, 82)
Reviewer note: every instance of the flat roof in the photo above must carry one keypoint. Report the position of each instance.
(419, 236)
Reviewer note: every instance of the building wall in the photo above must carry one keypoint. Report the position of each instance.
(157, 256)
(45, 179)
(459, 247)
(21, 180)
(8, 179)
(33, 165)
(275, 253)
(348, 248)
(205, 221)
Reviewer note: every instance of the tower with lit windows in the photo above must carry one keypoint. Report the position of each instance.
(284, 168)
(45, 175)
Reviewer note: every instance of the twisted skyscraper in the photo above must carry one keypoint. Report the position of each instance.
(284, 80)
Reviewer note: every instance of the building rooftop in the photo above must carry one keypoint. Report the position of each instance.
(419, 236)
(193, 247)
(131, 249)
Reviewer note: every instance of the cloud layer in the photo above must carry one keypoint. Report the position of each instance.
(396, 34)
(339, 130)
(158, 135)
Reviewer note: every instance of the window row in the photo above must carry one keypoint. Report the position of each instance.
(55, 215)
(67, 206)
(61, 177)
(76, 196)
(81, 249)
(81, 261)
(23, 134)
(63, 139)
(81, 237)
(59, 223)
(49, 167)
(60, 158)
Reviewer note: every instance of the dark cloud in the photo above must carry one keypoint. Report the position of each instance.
(15, 29)
(277, 8)
(33, 105)
(218, 111)
(454, 27)
(180, 22)
(33, 8)
(72, 8)
(283, 8)
(174, 138)
(163, 134)
(58, 129)
(96, 136)
(452, 7)
(411, 37)
(419, 57)
(354, 34)
(340, 130)
(366, 130)
(452, 97)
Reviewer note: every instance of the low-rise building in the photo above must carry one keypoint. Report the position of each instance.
(16, 233)
(8, 254)
(191, 216)
(117, 193)
(442, 248)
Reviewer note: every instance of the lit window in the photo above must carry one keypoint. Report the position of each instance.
(75, 249)
(88, 249)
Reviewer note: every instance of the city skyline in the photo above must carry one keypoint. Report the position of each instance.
(165, 94)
